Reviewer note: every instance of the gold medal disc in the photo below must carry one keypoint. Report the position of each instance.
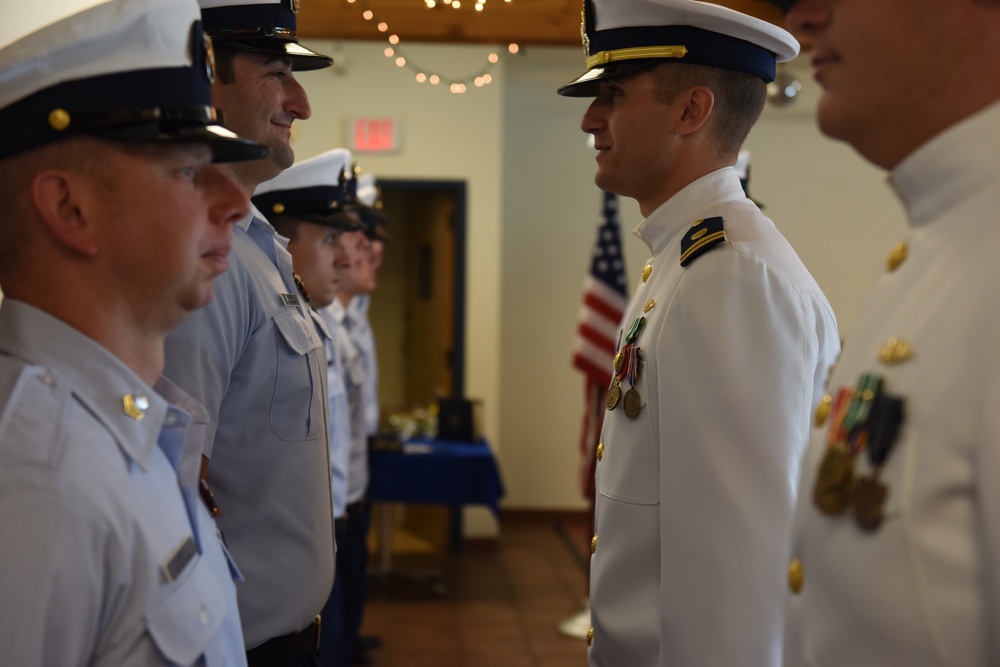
(632, 403)
(834, 480)
(869, 503)
(614, 395)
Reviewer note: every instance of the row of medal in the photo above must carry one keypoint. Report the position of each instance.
(862, 419)
(626, 368)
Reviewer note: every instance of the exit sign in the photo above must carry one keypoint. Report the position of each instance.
(374, 135)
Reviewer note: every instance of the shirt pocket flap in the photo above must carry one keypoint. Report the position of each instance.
(299, 334)
(184, 623)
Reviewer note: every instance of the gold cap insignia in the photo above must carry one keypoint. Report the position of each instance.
(59, 119)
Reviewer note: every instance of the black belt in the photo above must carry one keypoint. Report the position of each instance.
(279, 650)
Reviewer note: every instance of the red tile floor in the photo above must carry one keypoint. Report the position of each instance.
(493, 605)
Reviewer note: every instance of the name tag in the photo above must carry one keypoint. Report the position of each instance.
(290, 299)
(179, 559)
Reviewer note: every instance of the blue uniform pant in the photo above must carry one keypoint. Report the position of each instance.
(344, 610)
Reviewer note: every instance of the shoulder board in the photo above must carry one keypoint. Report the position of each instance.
(702, 237)
(32, 421)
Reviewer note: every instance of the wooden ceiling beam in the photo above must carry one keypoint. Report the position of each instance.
(546, 22)
(555, 22)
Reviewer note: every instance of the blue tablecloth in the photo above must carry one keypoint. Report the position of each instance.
(437, 472)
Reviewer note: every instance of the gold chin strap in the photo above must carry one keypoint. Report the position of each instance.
(636, 53)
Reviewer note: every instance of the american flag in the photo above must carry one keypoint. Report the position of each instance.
(604, 301)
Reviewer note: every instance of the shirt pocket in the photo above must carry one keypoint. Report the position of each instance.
(629, 469)
(297, 405)
(184, 624)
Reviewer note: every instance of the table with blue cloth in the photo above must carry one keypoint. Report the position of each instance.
(434, 472)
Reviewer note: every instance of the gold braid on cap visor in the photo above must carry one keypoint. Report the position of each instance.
(636, 53)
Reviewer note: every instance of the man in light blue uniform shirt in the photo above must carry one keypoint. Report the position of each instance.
(114, 223)
(356, 348)
(370, 211)
(256, 362)
(311, 203)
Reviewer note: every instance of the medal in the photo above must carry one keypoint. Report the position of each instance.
(869, 502)
(884, 420)
(632, 403)
(834, 480)
(614, 394)
(626, 366)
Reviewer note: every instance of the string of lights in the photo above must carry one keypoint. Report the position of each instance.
(394, 51)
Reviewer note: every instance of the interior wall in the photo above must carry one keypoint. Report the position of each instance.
(834, 209)
(533, 211)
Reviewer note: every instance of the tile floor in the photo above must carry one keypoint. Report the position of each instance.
(494, 605)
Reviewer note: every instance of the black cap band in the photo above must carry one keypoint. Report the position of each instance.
(315, 199)
(260, 20)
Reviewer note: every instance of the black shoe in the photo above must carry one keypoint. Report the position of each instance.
(370, 642)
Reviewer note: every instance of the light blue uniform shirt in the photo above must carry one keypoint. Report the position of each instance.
(254, 358)
(352, 361)
(340, 414)
(364, 339)
(108, 556)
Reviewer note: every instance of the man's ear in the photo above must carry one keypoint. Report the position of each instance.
(699, 102)
(58, 197)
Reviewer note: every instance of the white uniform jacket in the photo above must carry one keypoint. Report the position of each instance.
(695, 495)
(924, 587)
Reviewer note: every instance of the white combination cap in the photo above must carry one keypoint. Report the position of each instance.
(128, 70)
(318, 189)
(261, 26)
(622, 37)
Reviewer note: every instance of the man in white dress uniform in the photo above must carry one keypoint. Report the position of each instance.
(897, 533)
(723, 352)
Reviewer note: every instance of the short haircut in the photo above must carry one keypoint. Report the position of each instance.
(225, 70)
(286, 225)
(739, 98)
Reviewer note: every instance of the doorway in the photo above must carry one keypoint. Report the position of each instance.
(418, 310)
(418, 319)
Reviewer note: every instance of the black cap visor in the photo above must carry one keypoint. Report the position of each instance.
(226, 146)
(587, 84)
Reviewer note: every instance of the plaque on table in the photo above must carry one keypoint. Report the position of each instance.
(459, 419)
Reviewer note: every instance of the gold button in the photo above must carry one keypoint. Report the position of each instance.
(278, 208)
(796, 575)
(590, 636)
(600, 451)
(646, 271)
(59, 119)
(895, 351)
(593, 544)
(823, 409)
(649, 306)
(896, 256)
